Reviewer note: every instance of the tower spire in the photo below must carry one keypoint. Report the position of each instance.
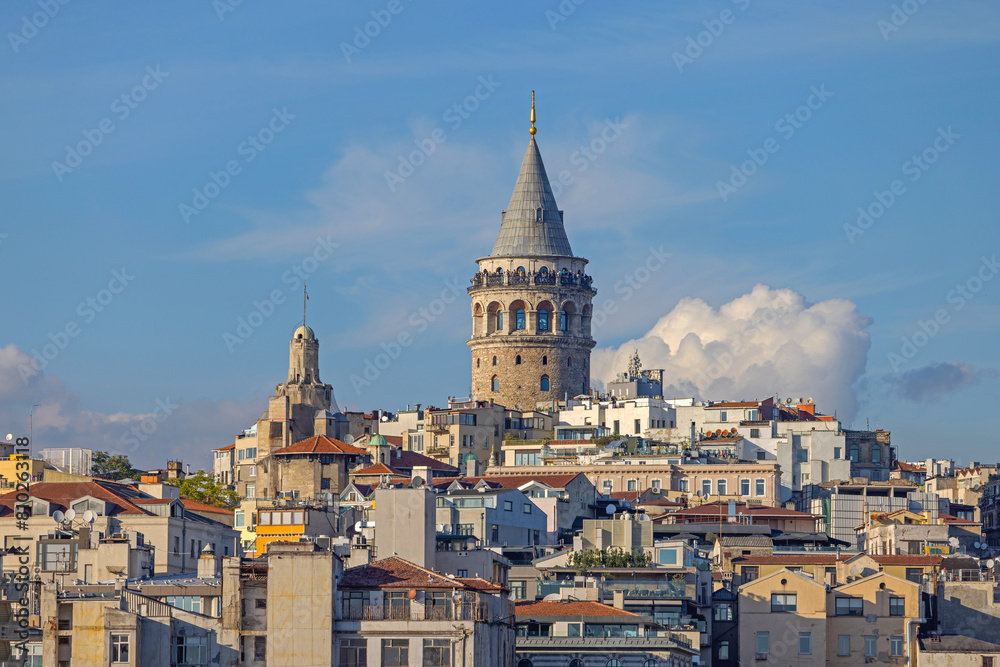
(532, 130)
(305, 297)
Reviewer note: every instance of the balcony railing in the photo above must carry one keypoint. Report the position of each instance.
(516, 279)
(416, 612)
(647, 589)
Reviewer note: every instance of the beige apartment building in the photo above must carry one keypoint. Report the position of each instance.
(788, 617)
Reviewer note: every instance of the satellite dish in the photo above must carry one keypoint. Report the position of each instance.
(10, 436)
(349, 439)
(89, 516)
(411, 594)
(976, 545)
(643, 517)
(70, 514)
(857, 569)
(57, 516)
(609, 509)
(809, 400)
(953, 541)
(357, 526)
(990, 563)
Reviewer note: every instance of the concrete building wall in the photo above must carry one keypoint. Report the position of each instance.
(301, 595)
(968, 608)
(404, 524)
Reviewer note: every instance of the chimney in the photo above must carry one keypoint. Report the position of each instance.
(618, 601)
(206, 563)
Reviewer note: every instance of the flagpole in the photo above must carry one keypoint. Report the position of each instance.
(305, 297)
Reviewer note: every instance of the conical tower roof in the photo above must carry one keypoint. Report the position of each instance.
(532, 223)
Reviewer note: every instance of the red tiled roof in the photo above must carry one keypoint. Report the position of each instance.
(790, 559)
(573, 608)
(948, 518)
(396, 440)
(631, 496)
(65, 494)
(480, 584)
(552, 480)
(222, 449)
(908, 467)
(377, 469)
(320, 444)
(198, 506)
(395, 572)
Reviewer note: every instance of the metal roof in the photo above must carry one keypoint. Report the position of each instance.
(532, 225)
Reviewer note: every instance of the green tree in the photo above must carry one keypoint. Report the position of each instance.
(203, 488)
(112, 466)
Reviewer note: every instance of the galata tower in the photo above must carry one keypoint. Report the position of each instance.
(531, 301)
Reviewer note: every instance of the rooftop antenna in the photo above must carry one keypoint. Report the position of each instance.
(305, 297)
(31, 428)
(532, 130)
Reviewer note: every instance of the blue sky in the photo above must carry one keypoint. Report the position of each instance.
(199, 80)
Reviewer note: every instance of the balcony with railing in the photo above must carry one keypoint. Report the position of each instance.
(417, 612)
(519, 279)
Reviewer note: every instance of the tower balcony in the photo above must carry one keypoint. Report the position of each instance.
(501, 278)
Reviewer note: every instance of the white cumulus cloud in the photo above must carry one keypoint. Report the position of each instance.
(766, 342)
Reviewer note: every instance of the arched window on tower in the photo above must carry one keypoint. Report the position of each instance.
(494, 361)
(520, 270)
(543, 320)
(569, 361)
(495, 383)
(545, 360)
(477, 363)
(520, 321)
(563, 321)
(517, 360)
(545, 383)
(499, 320)
(876, 454)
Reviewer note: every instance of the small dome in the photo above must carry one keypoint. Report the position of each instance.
(378, 441)
(304, 332)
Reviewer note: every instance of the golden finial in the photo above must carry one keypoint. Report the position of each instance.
(532, 130)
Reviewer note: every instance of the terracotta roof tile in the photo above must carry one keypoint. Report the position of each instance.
(913, 560)
(573, 608)
(198, 506)
(65, 493)
(552, 480)
(320, 444)
(948, 518)
(377, 469)
(395, 572)
(222, 449)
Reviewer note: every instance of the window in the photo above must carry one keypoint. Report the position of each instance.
(783, 602)
(723, 416)
(524, 662)
(876, 454)
(870, 650)
(759, 488)
(517, 360)
(763, 643)
(495, 382)
(706, 487)
(573, 630)
(608, 485)
(668, 557)
(744, 487)
(494, 361)
(119, 648)
(684, 486)
(354, 652)
(251, 471)
(544, 384)
(656, 485)
(526, 508)
(801, 455)
(852, 453)
(251, 490)
(437, 653)
(831, 576)
(897, 606)
(193, 550)
(750, 573)
(543, 320)
(186, 602)
(722, 486)
(914, 574)
(396, 652)
(723, 653)
(519, 319)
(563, 318)
(723, 612)
(508, 506)
(896, 646)
(844, 645)
(987, 660)
(496, 533)
(499, 328)
(613, 662)
(518, 589)
(638, 427)
(805, 643)
(632, 485)
(545, 360)
(616, 431)
(192, 650)
(836, 452)
(260, 603)
(353, 604)
(850, 607)
(240, 521)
